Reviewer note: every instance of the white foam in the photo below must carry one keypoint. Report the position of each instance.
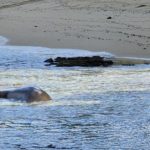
(26, 52)
(9, 102)
(3, 40)
(33, 57)
(70, 103)
(78, 53)
(53, 52)
(131, 60)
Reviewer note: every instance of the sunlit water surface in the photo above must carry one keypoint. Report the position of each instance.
(92, 108)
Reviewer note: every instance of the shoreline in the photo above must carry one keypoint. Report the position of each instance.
(81, 54)
(120, 28)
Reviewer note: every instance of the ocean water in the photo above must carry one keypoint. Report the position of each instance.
(92, 108)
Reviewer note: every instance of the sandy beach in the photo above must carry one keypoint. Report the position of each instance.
(100, 100)
(116, 26)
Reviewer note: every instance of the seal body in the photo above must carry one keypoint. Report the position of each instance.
(27, 94)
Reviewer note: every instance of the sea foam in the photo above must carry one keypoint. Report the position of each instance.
(33, 57)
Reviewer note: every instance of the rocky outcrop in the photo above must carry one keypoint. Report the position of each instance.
(94, 61)
(79, 61)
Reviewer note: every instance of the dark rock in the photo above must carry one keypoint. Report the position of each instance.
(50, 146)
(109, 17)
(50, 60)
(79, 61)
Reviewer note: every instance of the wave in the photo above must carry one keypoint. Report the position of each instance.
(130, 61)
(36, 55)
(3, 40)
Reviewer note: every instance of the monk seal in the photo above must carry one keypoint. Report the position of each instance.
(27, 94)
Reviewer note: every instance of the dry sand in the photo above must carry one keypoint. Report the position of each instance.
(121, 27)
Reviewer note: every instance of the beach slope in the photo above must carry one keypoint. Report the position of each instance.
(116, 26)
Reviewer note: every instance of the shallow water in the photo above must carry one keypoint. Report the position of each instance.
(92, 108)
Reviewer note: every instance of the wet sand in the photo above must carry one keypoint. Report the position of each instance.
(116, 26)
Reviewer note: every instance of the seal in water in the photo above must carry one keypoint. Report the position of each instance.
(27, 94)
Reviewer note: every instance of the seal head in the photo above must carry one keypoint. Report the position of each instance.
(28, 94)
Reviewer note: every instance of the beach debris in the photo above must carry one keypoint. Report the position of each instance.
(87, 61)
(141, 6)
(109, 17)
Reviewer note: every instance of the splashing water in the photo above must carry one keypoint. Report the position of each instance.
(92, 108)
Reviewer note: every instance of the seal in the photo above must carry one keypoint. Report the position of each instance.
(27, 94)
